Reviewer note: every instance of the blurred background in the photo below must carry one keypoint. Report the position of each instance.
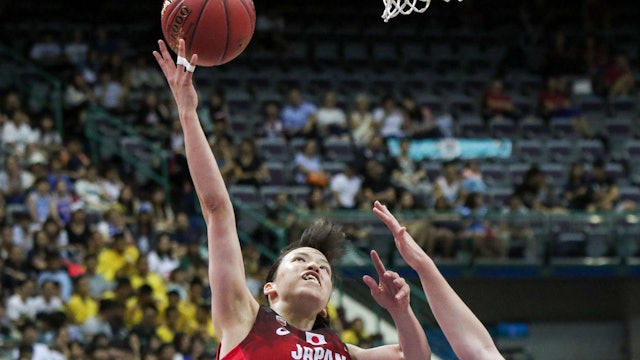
(503, 134)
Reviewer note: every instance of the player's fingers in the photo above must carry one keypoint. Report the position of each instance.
(371, 283)
(377, 263)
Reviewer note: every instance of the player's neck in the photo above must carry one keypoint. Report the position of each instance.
(298, 316)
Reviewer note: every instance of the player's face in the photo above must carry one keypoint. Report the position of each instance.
(305, 271)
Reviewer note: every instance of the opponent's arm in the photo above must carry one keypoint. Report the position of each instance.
(392, 293)
(466, 334)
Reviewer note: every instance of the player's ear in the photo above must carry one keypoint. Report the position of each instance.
(269, 289)
(324, 313)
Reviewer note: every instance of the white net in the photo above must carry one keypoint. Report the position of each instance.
(393, 8)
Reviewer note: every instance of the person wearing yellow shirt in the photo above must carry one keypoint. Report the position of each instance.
(170, 326)
(118, 259)
(356, 334)
(189, 306)
(81, 305)
(142, 275)
(135, 305)
(204, 324)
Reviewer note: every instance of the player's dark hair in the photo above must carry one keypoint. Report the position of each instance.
(324, 236)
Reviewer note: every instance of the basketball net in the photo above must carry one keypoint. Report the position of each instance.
(393, 8)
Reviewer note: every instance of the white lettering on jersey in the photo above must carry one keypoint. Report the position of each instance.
(315, 353)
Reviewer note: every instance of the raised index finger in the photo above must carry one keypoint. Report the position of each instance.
(377, 263)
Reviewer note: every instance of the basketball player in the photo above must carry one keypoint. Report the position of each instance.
(466, 334)
(299, 285)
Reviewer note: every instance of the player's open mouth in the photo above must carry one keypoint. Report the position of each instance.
(311, 277)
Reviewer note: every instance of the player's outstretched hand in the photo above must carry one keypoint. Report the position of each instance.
(411, 252)
(180, 80)
(391, 292)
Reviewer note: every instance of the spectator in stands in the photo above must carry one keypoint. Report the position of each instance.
(76, 49)
(47, 137)
(497, 104)
(272, 126)
(110, 93)
(249, 165)
(98, 284)
(81, 305)
(225, 150)
(407, 173)
(472, 179)
(143, 275)
(618, 78)
(75, 159)
(46, 50)
(345, 187)
(40, 202)
(17, 132)
(448, 184)
(389, 118)
(332, 119)
(308, 165)
(554, 100)
(152, 118)
(143, 229)
(91, 189)
(356, 334)
(161, 211)
(603, 193)
(299, 117)
(117, 259)
(376, 184)
(363, 128)
(99, 324)
(576, 189)
(477, 228)
(145, 331)
(318, 199)
(48, 300)
(18, 309)
(57, 272)
(421, 124)
(218, 107)
(78, 95)
(142, 75)
(376, 149)
(164, 257)
(534, 190)
(14, 181)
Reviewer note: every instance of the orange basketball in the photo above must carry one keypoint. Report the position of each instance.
(217, 30)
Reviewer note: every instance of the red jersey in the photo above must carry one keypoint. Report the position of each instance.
(271, 337)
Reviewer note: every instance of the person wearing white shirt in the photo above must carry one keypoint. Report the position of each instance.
(48, 301)
(345, 187)
(331, 119)
(390, 118)
(18, 303)
(17, 133)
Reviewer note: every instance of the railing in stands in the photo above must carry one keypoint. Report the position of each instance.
(43, 89)
(109, 136)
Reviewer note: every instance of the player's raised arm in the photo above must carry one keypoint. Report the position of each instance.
(466, 334)
(233, 307)
(392, 293)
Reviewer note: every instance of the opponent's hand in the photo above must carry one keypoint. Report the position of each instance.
(180, 80)
(392, 292)
(411, 252)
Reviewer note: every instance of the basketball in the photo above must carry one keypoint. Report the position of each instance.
(217, 30)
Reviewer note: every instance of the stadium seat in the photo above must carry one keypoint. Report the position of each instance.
(274, 149)
(530, 150)
(279, 172)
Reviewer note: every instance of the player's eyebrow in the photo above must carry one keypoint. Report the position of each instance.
(308, 256)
